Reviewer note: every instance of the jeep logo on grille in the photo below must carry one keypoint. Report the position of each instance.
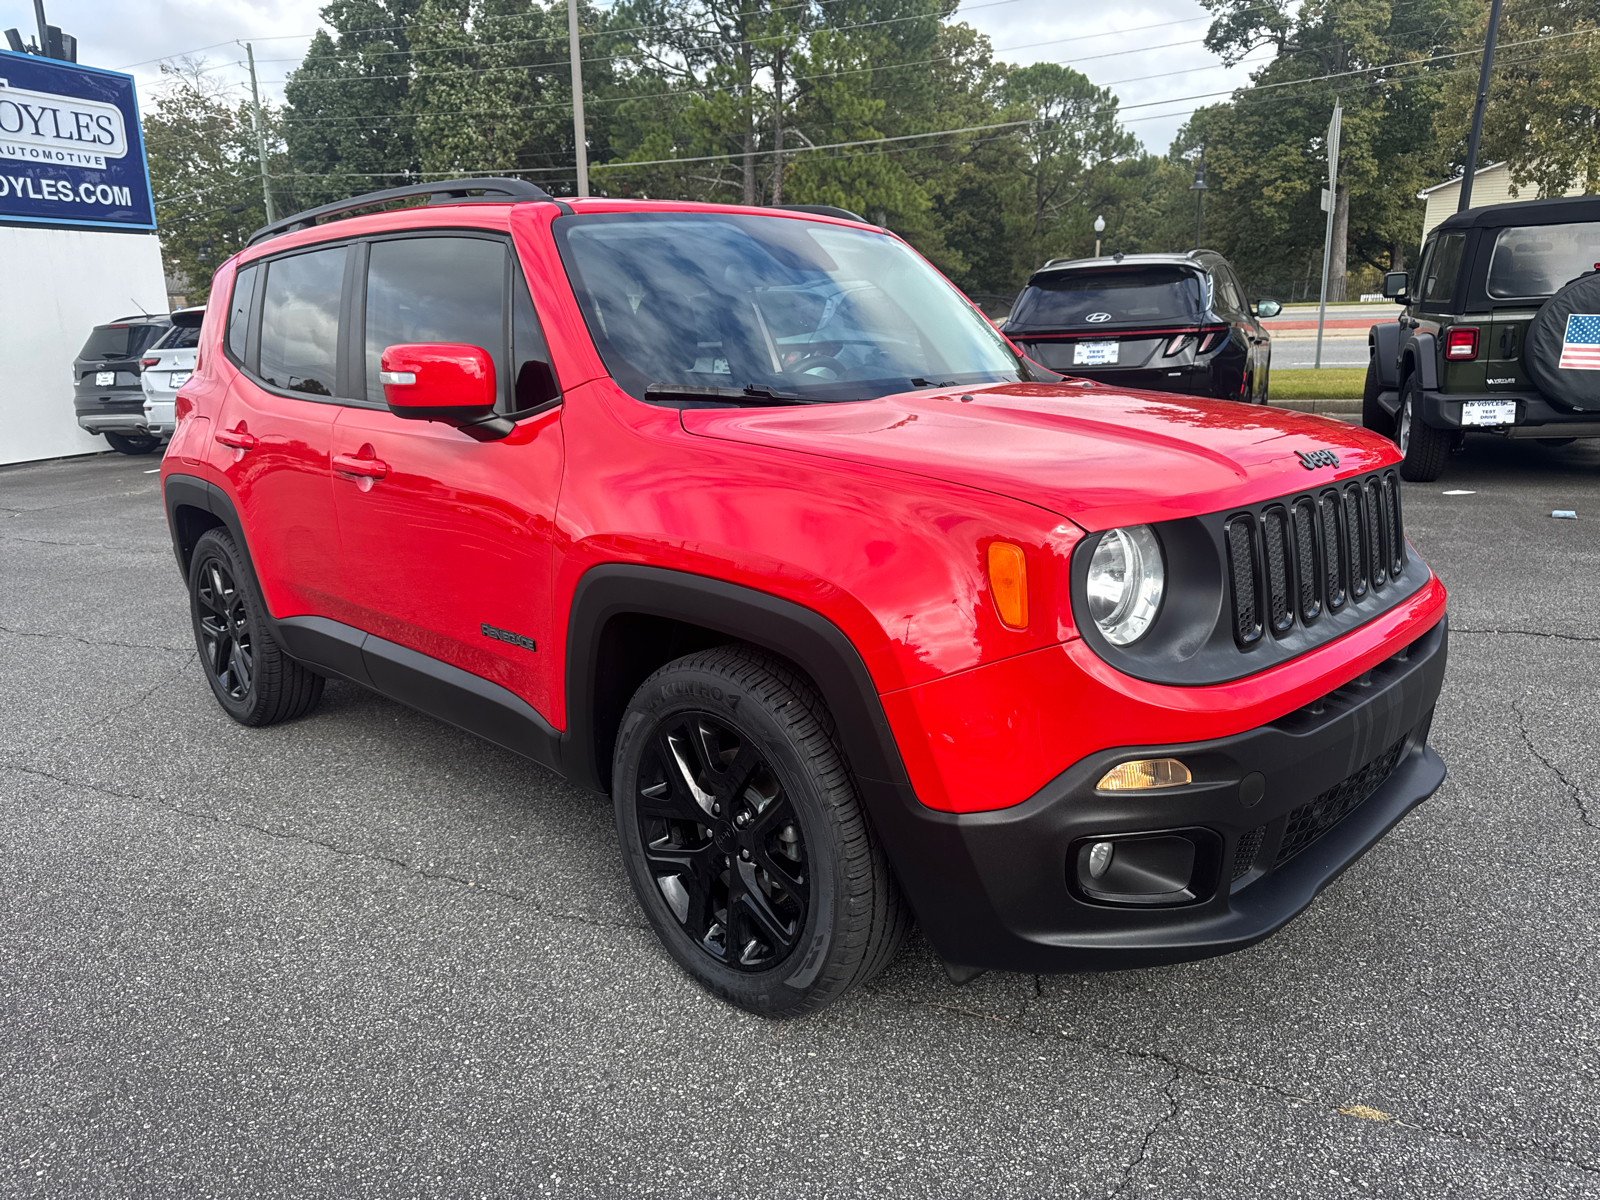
(1098, 317)
(1317, 458)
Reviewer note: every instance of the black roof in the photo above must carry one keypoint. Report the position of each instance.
(1558, 210)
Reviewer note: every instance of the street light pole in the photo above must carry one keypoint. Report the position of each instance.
(579, 137)
(1198, 187)
(1099, 228)
(1327, 239)
(1477, 111)
(261, 135)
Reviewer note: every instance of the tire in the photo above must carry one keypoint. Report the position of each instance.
(1373, 416)
(133, 443)
(252, 678)
(1424, 448)
(744, 837)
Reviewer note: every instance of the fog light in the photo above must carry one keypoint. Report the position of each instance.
(1099, 859)
(1144, 773)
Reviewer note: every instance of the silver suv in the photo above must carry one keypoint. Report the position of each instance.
(165, 368)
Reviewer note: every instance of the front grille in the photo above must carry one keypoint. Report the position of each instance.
(1296, 559)
(1244, 856)
(1315, 817)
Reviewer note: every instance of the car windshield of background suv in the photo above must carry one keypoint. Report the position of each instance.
(800, 308)
(1540, 260)
(1141, 294)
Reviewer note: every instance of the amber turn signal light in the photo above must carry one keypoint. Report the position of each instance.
(1142, 774)
(1008, 583)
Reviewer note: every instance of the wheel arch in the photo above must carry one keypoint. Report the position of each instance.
(194, 506)
(1419, 358)
(627, 620)
(1383, 345)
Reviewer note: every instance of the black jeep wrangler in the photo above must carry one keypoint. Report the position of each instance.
(1501, 333)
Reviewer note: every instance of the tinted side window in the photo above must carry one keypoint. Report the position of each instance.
(1441, 269)
(300, 321)
(435, 289)
(244, 286)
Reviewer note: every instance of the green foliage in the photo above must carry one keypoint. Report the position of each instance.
(204, 173)
(890, 108)
(1543, 115)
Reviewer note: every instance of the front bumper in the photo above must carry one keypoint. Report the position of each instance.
(1536, 416)
(1000, 889)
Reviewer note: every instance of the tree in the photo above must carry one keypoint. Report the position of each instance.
(1543, 113)
(204, 171)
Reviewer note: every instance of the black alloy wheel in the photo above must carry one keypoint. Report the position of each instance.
(252, 678)
(723, 842)
(744, 837)
(223, 627)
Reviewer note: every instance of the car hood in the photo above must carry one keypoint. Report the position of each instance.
(1101, 456)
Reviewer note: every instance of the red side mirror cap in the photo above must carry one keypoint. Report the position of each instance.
(438, 381)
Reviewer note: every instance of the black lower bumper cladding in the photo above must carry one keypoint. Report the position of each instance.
(1274, 815)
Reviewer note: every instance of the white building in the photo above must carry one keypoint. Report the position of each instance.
(1491, 185)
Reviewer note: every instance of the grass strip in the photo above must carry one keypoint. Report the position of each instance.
(1308, 383)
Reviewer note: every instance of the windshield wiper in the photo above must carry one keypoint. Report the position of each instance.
(667, 393)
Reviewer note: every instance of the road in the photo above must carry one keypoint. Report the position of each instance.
(365, 955)
(1344, 340)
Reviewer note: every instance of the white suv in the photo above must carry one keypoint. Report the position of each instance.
(165, 368)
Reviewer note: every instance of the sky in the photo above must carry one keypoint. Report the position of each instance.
(1148, 51)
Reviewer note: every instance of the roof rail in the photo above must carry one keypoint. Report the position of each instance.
(445, 191)
(825, 210)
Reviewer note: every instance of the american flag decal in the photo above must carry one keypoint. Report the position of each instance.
(1580, 349)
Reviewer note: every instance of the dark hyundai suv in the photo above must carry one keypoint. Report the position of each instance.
(1167, 322)
(1500, 333)
(106, 386)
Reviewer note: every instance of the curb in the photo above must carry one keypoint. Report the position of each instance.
(1319, 406)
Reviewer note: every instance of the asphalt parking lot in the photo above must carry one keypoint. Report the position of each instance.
(363, 954)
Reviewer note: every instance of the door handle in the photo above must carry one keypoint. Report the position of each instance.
(362, 465)
(239, 439)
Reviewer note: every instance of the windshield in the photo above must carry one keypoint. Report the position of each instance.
(179, 337)
(796, 307)
(1130, 295)
(1539, 260)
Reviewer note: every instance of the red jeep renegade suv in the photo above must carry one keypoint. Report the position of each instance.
(748, 518)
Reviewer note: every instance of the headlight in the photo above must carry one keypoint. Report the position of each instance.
(1125, 582)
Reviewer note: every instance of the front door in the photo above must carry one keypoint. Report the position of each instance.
(446, 541)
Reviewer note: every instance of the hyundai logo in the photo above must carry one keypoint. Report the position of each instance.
(1317, 458)
(1098, 317)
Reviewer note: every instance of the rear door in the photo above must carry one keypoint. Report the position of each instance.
(446, 541)
(271, 441)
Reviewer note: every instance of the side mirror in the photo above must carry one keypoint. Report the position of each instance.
(1396, 284)
(444, 381)
(1266, 308)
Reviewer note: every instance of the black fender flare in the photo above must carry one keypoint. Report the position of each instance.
(1383, 343)
(179, 492)
(808, 639)
(1421, 356)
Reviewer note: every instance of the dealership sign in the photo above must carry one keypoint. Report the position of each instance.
(71, 152)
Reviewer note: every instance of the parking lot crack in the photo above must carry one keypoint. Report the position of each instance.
(69, 637)
(1150, 1135)
(1533, 633)
(523, 898)
(1572, 786)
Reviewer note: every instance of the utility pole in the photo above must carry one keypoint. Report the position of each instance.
(1477, 111)
(579, 137)
(1198, 187)
(1333, 203)
(261, 135)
